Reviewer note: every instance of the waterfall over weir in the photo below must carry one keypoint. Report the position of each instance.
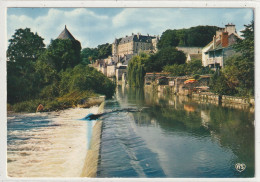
(50, 144)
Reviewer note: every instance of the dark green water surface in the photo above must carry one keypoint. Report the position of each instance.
(174, 137)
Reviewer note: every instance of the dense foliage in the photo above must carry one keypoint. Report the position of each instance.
(193, 37)
(35, 73)
(237, 76)
(139, 65)
(164, 57)
(62, 53)
(90, 54)
(24, 49)
(25, 46)
(191, 68)
(136, 71)
(83, 77)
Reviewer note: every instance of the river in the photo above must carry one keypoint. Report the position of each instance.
(51, 144)
(170, 137)
(174, 137)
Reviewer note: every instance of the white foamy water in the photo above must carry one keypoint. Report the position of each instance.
(48, 144)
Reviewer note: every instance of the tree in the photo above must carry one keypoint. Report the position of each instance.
(192, 68)
(218, 84)
(200, 36)
(136, 71)
(24, 49)
(239, 73)
(246, 45)
(168, 39)
(104, 50)
(64, 53)
(175, 70)
(83, 77)
(89, 54)
(25, 46)
(165, 56)
(194, 36)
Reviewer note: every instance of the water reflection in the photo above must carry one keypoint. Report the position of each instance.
(191, 139)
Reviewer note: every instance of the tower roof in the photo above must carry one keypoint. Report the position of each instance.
(65, 34)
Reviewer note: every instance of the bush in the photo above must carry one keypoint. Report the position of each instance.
(85, 78)
(27, 106)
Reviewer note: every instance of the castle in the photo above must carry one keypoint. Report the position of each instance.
(134, 44)
(123, 49)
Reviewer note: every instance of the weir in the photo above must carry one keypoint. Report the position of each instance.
(92, 156)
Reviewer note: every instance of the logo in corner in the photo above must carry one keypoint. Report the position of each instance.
(240, 167)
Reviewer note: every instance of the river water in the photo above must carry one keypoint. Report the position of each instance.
(50, 144)
(174, 137)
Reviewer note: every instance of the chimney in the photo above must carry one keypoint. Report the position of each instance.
(230, 28)
(224, 39)
(214, 42)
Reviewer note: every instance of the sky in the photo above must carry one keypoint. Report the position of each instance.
(95, 26)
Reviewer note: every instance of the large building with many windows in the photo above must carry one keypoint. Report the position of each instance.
(134, 44)
(123, 49)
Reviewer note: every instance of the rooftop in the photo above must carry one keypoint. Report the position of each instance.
(135, 38)
(65, 34)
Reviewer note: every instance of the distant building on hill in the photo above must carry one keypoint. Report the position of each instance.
(220, 48)
(132, 45)
(123, 49)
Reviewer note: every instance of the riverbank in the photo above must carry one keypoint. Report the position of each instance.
(207, 97)
(225, 101)
(83, 99)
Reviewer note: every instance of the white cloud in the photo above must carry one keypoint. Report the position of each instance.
(79, 22)
(92, 29)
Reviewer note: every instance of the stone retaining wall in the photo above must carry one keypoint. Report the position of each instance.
(205, 97)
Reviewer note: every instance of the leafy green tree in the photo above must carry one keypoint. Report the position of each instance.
(165, 56)
(91, 54)
(24, 49)
(194, 36)
(136, 71)
(104, 50)
(175, 70)
(246, 45)
(200, 36)
(64, 53)
(168, 39)
(25, 46)
(240, 75)
(83, 77)
(191, 68)
(219, 84)
(246, 64)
